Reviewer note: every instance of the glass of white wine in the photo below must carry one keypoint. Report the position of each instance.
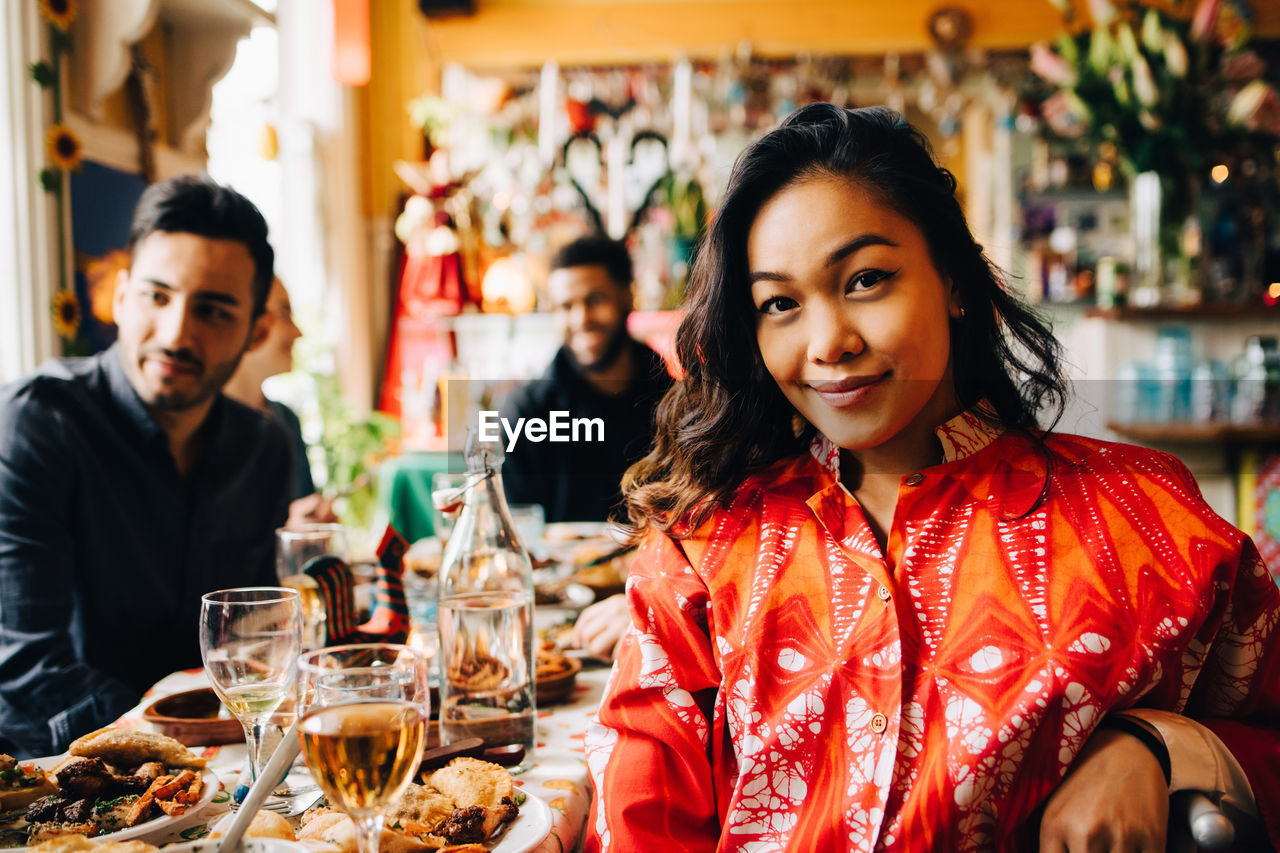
(365, 708)
(249, 641)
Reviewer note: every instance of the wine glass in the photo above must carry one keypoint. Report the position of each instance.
(365, 708)
(249, 641)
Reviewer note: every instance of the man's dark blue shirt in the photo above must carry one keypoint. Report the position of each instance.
(581, 480)
(105, 549)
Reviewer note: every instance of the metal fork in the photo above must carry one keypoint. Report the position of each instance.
(291, 805)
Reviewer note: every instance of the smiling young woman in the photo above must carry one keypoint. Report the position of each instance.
(875, 606)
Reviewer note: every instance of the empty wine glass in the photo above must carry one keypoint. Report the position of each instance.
(365, 709)
(249, 641)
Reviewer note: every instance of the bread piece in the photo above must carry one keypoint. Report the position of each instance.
(421, 805)
(128, 748)
(265, 824)
(472, 782)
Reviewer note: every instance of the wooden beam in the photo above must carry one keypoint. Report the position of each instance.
(516, 33)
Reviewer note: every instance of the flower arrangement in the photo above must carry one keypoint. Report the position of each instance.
(63, 152)
(1169, 87)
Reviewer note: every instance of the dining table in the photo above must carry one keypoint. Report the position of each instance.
(558, 775)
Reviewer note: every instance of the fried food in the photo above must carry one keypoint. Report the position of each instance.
(421, 805)
(265, 824)
(173, 795)
(475, 783)
(471, 781)
(465, 801)
(130, 747)
(550, 661)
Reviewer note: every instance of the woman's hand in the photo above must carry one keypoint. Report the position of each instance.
(600, 627)
(1114, 798)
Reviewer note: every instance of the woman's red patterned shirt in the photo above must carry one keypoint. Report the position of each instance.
(786, 685)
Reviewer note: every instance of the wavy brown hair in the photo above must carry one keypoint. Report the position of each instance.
(728, 419)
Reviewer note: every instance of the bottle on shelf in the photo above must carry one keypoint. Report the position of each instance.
(1257, 379)
(485, 614)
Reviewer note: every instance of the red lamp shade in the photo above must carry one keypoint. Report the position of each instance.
(351, 60)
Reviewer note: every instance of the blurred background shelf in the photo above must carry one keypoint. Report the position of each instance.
(1192, 433)
(1225, 310)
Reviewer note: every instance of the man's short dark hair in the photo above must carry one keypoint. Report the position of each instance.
(597, 250)
(196, 204)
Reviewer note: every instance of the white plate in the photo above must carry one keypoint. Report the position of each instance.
(155, 826)
(528, 829)
(247, 845)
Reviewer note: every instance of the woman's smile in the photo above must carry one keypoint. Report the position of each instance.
(848, 392)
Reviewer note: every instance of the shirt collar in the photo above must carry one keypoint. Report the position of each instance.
(1016, 482)
(963, 436)
(122, 391)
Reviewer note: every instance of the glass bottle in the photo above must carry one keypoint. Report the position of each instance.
(485, 613)
(1250, 403)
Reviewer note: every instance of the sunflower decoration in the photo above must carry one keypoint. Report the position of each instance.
(63, 147)
(66, 314)
(60, 13)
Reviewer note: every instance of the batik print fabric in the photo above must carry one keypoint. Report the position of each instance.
(788, 686)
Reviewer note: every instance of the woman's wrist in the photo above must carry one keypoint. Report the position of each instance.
(1147, 735)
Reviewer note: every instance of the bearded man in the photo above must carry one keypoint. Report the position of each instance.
(600, 374)
(129, 485)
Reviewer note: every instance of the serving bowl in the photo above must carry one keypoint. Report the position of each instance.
(192, 717)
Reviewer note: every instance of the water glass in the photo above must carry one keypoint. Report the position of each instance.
(296, 547)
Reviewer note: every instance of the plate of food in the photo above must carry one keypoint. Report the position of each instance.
(468, 801)
(115, 784)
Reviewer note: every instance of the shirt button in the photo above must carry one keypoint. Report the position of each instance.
(879, 723)
(915, 479)
(883, 592)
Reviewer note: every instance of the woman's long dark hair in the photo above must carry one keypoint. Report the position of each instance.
(728, 418)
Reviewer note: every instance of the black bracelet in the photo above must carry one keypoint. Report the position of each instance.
(1151, 741)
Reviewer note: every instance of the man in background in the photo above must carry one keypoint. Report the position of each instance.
(271, 356)
(600, 371)
(129, 485)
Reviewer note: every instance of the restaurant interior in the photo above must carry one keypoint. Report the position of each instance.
(419, 161)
